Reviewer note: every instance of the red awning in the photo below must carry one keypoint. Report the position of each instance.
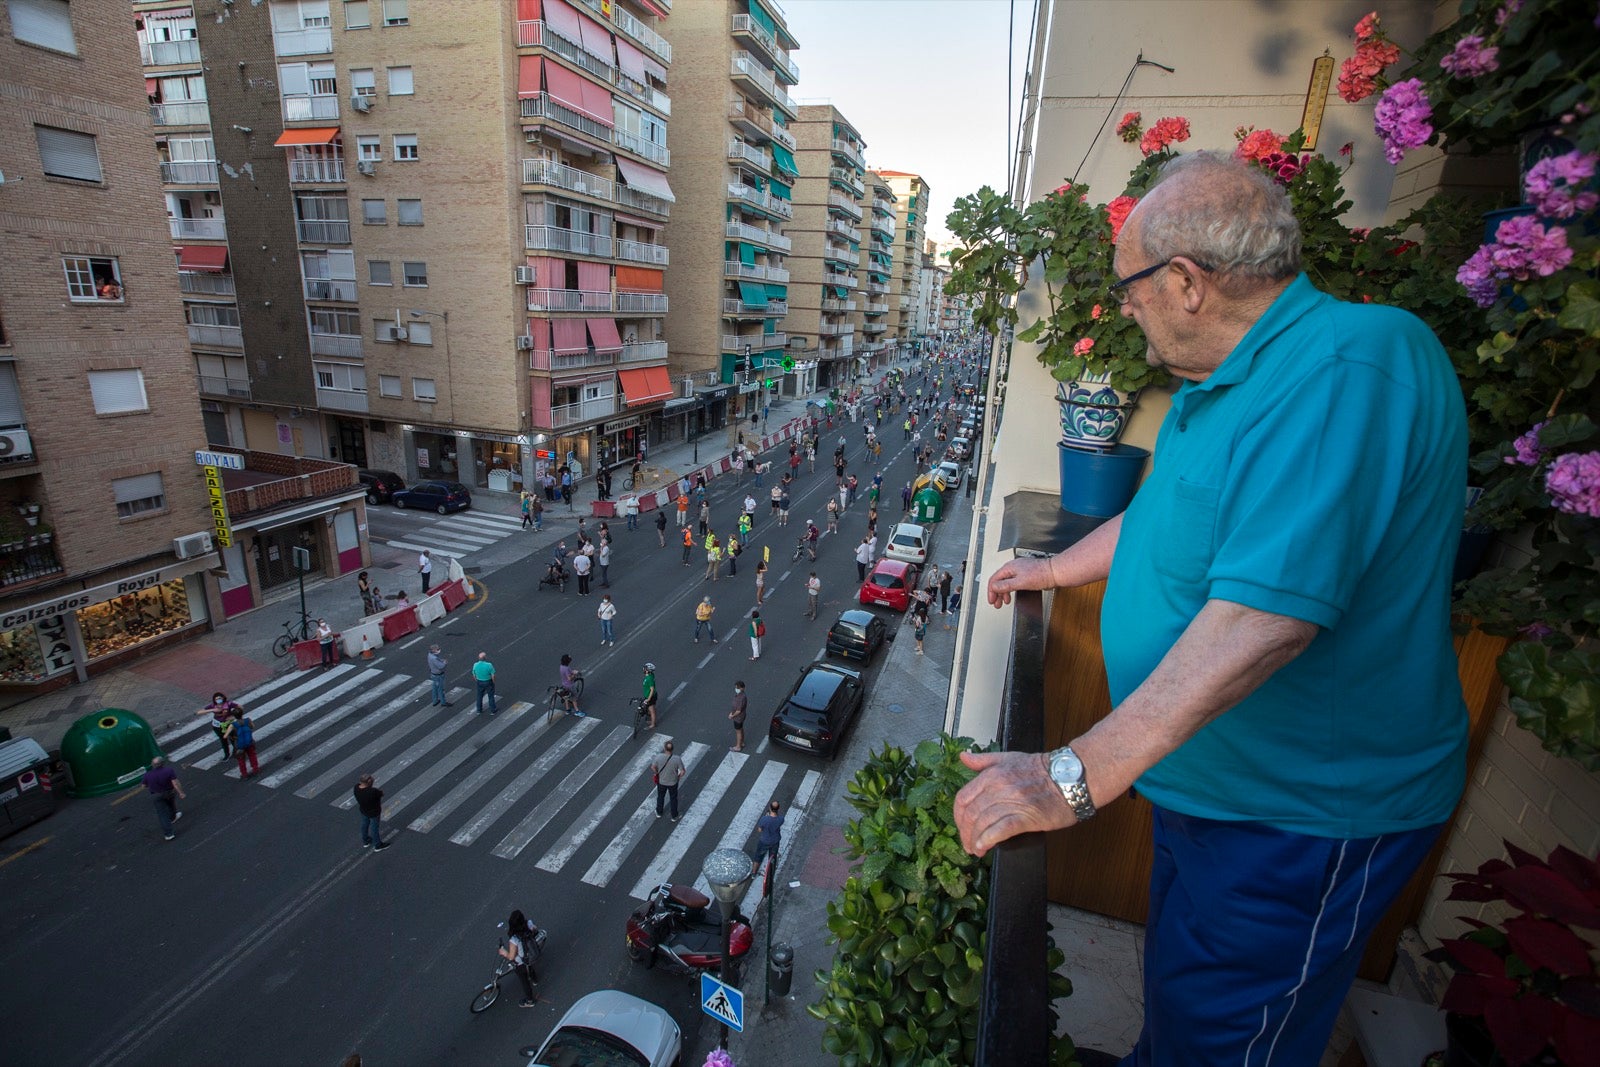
(631, 60)
(566, 86)
(569, 335)
(653, 8)
(151, 87)
(597, 102)
(645, 385)
(529, 72)
(596, 41)
(308, 135)
(634, 220)
(539, 330)
(603, 332)
(203, 257)
(560, 17)
(644, 179)
(527, 10)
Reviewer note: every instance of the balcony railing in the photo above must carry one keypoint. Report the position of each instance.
(841, 147)
(323, 231)
(832, 277)
(645, 352)
(316, 170)
(847, 178)
(784, 137)
(572, 414)
(640, 147)
(876, 308)
(624, 21)
(874, 327)
(735, 269)
(26, 564)
(777, 308)
(169, 53)
(877, 288)
(642, 252)
(744, 112)
(883, 227)
(778, 274)
(313, 41)
(627, 196)
(232, 388)
(835, 329)
(194, 172)
(775, 340)
(206, 284)
(844, 229)
(642, 303)
(836, 254)
(181, 113)
(215, 336)
(757, 157)
(336, 344)
(744, 24)
(544, 106)
(568, 300)
(733, 342)
(747, 66)
(305, 108)
(341, 399)
(733, 307)
(845, 204)
(561, 176)
(837, 306)
(551, 360)
(739, 231)
(204, 229)
(883, 205)
(560, 239)
(541, 35)
(331, 289)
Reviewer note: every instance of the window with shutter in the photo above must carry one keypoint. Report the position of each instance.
(117, 391)
(138, 494)
(46, 23)
(400, 81)
(68, 154)
(10, 397)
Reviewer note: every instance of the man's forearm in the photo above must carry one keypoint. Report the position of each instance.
(1223, 656)
(1087, 561)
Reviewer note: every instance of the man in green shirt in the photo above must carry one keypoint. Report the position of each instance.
(650, 692)
(483, 674)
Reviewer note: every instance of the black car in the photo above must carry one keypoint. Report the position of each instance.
(443, 497)
(857, 634)
(815, 714)
(381, 486)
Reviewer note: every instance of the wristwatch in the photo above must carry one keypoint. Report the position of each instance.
(1066, 770)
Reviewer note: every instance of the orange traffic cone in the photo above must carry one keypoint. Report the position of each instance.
(466, 586)
(366, 647)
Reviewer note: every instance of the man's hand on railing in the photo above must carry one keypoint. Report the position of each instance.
(1016, 575)
(1012, 794)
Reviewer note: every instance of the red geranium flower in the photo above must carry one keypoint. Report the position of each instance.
(1131, 126)
(1119, 209)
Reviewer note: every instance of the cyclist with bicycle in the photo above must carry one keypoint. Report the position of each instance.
(520, 949)
(569, 676)
(649, 692)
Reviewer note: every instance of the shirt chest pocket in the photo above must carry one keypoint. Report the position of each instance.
(1185, 534)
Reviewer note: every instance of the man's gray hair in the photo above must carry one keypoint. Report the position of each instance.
(1224, 213)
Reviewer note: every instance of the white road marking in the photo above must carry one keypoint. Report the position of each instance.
(276, 778)
(519, 785)
(681, 686)
(585, 824)
(400, 763)
(617, 849)
(245, 701)
(475, 781)
(762, 746)
(797, 815)
(333, 714)
(457, 756)
(702, 664)
(743, 823)
(530, 827)
(340, 772)
(413, 641)
(265, 709)
(694, 820)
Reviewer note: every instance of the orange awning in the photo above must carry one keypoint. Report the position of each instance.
(308, 135)
(203, 257)
(644, 385)
(639, 279)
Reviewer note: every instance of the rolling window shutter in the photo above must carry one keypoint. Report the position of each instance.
(67, 154)
(116, 391)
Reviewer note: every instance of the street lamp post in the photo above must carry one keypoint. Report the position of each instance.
(728, 872)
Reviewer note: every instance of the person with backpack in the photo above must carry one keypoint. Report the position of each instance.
(244, 743)
(522, 949)
(758, 630)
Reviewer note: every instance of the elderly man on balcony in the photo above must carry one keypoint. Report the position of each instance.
(1275, 627)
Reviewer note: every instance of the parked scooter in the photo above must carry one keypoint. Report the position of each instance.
(679, 926)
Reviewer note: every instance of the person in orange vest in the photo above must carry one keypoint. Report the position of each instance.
(688, 541)
(683, 509)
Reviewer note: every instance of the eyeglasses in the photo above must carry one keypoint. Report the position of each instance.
(1119, 288)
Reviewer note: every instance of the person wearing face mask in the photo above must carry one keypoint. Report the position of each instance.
(741, 704)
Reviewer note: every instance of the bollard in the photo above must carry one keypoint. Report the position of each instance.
(780, 968)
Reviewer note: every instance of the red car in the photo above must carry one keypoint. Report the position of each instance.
(890, 584)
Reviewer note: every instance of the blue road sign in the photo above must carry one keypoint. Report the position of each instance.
(722, 1002)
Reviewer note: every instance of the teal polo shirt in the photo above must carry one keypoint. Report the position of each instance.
(482, 670)
(1318, 473)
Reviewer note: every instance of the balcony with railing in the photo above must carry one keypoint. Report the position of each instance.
(749, 118)
(323, 231)
(759, 158)
(844, 176)
(878, 308)
(784, 137)
(641, 303)
(777, 308)
(627, 196)
(226, 388)
(181, 113)
(201, 229)
(840, 202)
(170, 53)
(542, 35)
(560, 239)
(735, 342)
(844, 229)
(336, 344)
(644, 352)
(189, 172)
(778, 274)
(734, 308)
(836, 306)
(882, 227)
(255, 490)
(342, 399)
(749, 68)
(569, 299)
(308, 108)
(640, 146)
(316, 170)
(877, 288)
(550, 359)
(746, 27)
(560, 176)
(758, 199)
(840, 147)
(623, 20)
(739, 231)
(211, 336)
(779, 339)
(544, 106)
(748, 271)
(835, 329)
(332, 289)
(310, 41)
(834, 277)
(28, 558)
(838, 254)
(583, 411)
(642, 252)
(873, 326)
(197, 284)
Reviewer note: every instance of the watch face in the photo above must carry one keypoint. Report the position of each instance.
(1065, 766)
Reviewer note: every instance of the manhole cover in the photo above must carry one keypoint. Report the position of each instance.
(897, 708)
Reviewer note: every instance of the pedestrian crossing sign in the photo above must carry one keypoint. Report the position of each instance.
(722, 1002)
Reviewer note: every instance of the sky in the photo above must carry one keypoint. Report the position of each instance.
(890, 66)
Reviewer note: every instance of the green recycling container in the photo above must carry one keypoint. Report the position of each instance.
(108, 751)
(927, 505)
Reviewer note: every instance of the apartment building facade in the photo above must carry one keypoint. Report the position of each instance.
(419, 236)
(911, 207)
(735, 171)
(103, 510)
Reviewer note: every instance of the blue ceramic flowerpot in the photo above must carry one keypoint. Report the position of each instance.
(1099, 482)
(1093, 413)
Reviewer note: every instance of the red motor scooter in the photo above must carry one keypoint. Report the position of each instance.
(679, 926)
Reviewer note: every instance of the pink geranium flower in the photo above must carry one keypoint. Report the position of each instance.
(1557, 185)
(1165, 133)
(1083, 347)
(1367, 28)
(1119, 210)
(1131, 126)
(1257, 145)
(1470, 58)
(1573, 483)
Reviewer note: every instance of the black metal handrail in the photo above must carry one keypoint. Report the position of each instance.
(1014, 1023)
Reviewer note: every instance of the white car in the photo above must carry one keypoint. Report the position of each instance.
(612, 1027)
(908, 543)
(952, 472)
(960, 448)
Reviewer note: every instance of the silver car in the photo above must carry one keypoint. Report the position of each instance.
(908, 543)
(611, 1027)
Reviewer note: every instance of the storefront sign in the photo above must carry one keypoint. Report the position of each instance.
(54, 645)
(219, 506)
(618, 425)
(422, 459)
(219, 459)
(749, 387)
(73, 601)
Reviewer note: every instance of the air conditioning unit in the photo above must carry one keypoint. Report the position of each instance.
(524, 343)
(398, 333)
(524, 275)
(197, 544)
(15, 444)
(361, 103)
(367, 167)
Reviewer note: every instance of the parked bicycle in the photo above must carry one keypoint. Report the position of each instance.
(293, 633)
(491, 991)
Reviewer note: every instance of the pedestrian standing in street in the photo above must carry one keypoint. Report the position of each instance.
(244, 743)
(425, 569)
(702, 618)
(746, 521)
(758, 630)
(538, 514)
(165, 791)
(946, 579)
(667, 771)
(854, 484)
(783, 509)
(713, 557)
(777, 498)
(581, 566)
(844, 494)
(741, 704)
(732, 555)
(369, 802)
(325, 642)
(221, 711)
(750, 507)
(648, 692)
(811, 458)
(606, 613)
(364, 586)
(630, 508)
(683, 509)
(483, 674)
(661, 528)
(905, 497)
(872, 519)
(813, 594)
(527, 510)
(833, 516)
(688, 544)
(769, 830)
(921, 631)
(437, 664)
(603, 561)
(863, 558)
(761, 581)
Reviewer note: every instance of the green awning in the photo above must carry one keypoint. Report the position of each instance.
(777, 292)
(840, 291)
(784, 159)
(779, 190)
(747, 254)
(753, 293)
(878, 275)
(763, 19)
(769, 325)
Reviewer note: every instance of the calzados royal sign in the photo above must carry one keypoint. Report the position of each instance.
(73, 601)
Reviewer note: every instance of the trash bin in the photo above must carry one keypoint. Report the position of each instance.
(108, 751)
(780, 968)
(928, 505)
(27, 784)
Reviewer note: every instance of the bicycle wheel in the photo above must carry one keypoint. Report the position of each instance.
(639, 717)
(556, 707)
(486, 996)
(281, 645)
(577, 687)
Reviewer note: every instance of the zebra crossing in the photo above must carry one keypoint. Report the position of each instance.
(452, 535)
(570, 796)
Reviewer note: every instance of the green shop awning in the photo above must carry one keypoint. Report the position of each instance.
(784, 159)
(753, 292)
(780, 190)
(777, 292)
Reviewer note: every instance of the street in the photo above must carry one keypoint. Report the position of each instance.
(264, 934)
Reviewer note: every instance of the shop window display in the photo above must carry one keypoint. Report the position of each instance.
(21, 659)
(137, 617)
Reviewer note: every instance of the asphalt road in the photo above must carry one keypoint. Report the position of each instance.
(265, 935)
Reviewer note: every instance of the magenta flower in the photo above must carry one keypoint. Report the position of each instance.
(1522, 249)
(1573, 483)
(1556, 186)
(1527, 448)
(1403, 118)
(1470, 58)
(1536, 630)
